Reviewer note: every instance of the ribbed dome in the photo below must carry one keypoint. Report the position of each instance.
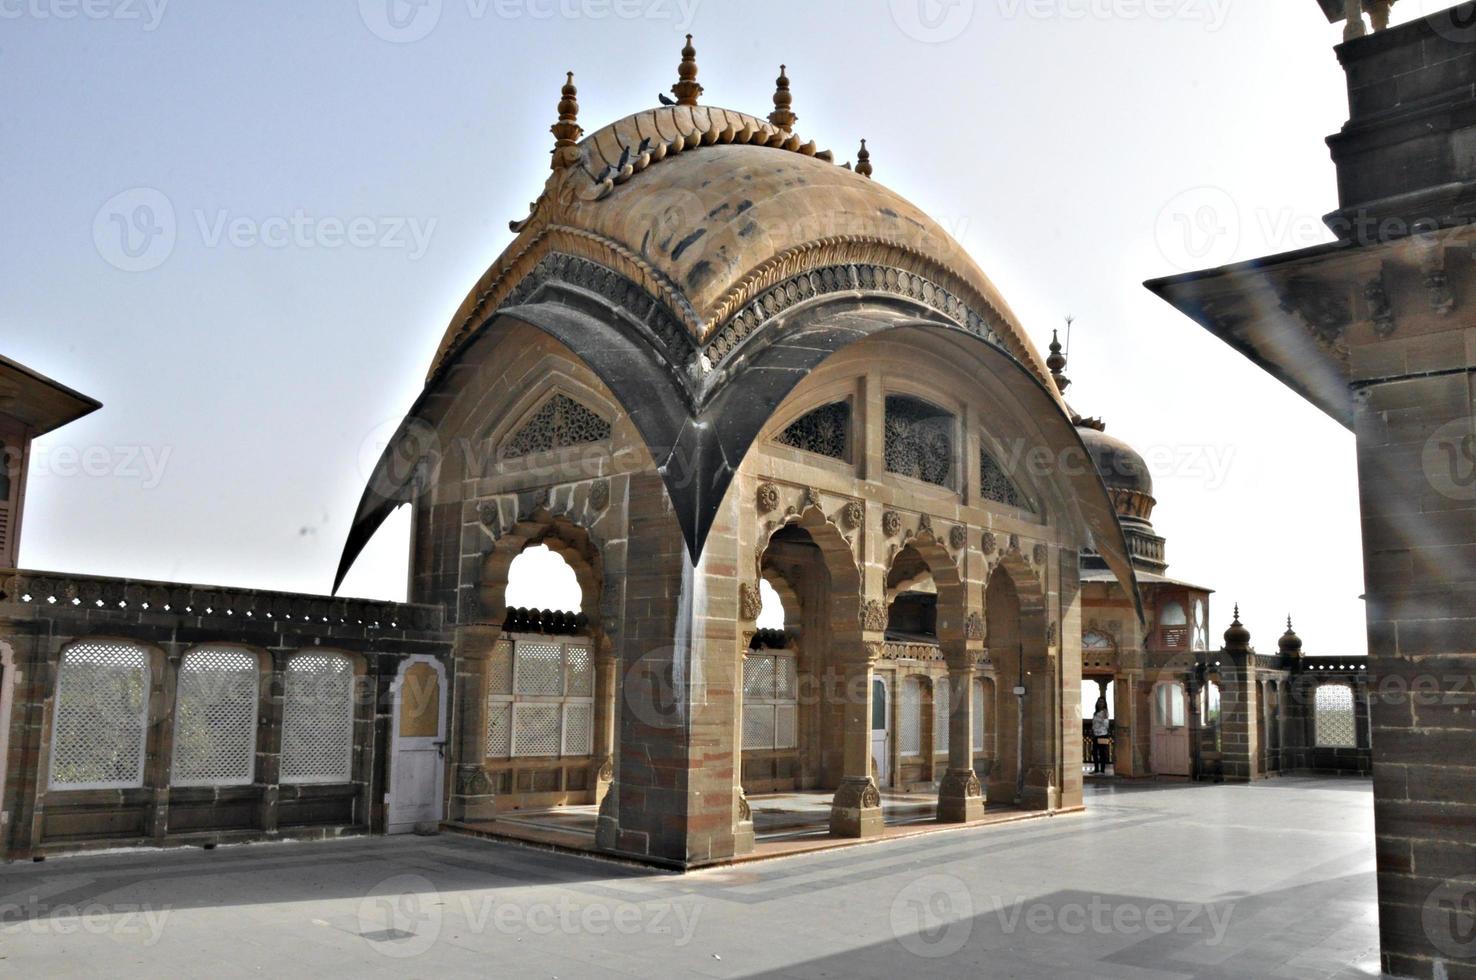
(1121, 466)
(707, 208)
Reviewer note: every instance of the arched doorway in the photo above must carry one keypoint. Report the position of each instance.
(1026, 765)
(537, 712)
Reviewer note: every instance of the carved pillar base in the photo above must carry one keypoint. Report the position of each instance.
(473, 799)
(1041, 792)
(960, 799)
(607, 827)
(602, 777)
(856, 809)
(743, 837)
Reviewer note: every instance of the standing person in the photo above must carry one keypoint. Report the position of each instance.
(1101, 737)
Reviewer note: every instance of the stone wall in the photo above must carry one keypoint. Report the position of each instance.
(42, 614)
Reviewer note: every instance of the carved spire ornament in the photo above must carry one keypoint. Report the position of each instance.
(782, 116)
(567, 130)
(1057, 363)
(686, 89)
(863, 161)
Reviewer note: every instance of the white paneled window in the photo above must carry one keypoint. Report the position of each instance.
(215, 718)
(940, 715)
(978, 716)
(100, 724)
(911, 709)
(1334, 717)
(550, 710)
(770, 702)
(318, 719)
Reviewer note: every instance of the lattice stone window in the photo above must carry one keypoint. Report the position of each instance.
(919, 440)
(215, 718)
(540, 698)
(910, 707)
(978, 719)
(825, 432)
(1334, 717)
(995, 484)
(770, 702)
(940, 715)
(318, 719)
(559, 423)
(100, 723)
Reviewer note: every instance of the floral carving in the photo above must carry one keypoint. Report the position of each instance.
(873, 616)
(960, 784)
(491, 519)
(768, 497)
(989, 542)
(1040, 554)
(853, 514)
(745, 812)
(974, 626)
(958, 537)
(599, 494)
(891, 523)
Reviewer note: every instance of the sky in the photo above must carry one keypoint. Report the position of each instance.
(244, 228)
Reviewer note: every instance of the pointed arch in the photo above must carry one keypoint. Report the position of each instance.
(560, 535)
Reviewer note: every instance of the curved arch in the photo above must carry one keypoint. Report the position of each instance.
(699, 425)
(845, 589)
(952, 593)
(560, 535)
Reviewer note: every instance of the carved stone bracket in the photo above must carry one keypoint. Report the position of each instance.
(750, 601)
(873, 616)
(1380, 311)
(1437, 283)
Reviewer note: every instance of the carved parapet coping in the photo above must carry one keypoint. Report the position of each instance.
(87, 592)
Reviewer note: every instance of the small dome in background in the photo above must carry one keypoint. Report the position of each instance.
(1121, 466)
(1290, 643)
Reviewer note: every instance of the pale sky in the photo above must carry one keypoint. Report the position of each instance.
(323, 183)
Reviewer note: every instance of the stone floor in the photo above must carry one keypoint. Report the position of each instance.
(1179, 880)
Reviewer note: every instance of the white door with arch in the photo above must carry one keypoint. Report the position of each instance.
(1170, 729)
(417, 760)
(881, 747)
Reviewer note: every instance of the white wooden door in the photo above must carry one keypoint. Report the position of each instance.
(417, 765)
(1170, 729)
(881, 748)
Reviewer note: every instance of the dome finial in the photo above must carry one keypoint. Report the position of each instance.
(686, 89)
(1057, 361)
(863, 161)
(1290, 643)
(1237, 637)
(782, 116)
(567, 130)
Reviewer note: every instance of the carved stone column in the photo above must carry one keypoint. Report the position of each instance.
(743, 834)
(856, 809)
(471, 795)
(605, 709)
(960, 797)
